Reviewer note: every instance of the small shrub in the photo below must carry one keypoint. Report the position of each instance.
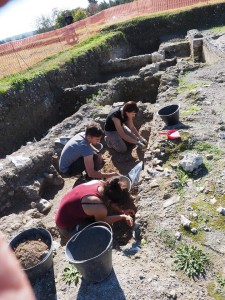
(191, 260)
(168, 238)
(71, 274)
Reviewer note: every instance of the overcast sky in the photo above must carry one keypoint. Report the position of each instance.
(17, 16)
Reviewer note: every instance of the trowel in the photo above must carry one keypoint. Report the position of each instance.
(171, 134)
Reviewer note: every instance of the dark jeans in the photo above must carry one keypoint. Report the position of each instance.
(78, 166)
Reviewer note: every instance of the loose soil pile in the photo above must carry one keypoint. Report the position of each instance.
(31, 252)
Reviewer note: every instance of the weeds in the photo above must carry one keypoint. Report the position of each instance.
(182, 177)
(191, 260)
(94, 97)
(167, 238)
(71, 274)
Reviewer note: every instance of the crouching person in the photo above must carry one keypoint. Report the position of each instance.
(90, 202)
(120, 129)
(81, 154)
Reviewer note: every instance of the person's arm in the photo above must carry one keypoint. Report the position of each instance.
(89, 166)
(130, 124)
(116, 218)
(128, 211)
(13, 281)
(100, 212)
(121, 132)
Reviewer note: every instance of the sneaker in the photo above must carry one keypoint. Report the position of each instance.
(107, 142)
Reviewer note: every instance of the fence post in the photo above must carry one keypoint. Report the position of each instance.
(137, 7)
(14, 52)
(56, 30)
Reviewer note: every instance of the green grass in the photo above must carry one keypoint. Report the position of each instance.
(217, 290)
(55, 62)
(185, 86)
(168, 238)
(207, 214)
(218, 29)
(192, 109)
(206, 147)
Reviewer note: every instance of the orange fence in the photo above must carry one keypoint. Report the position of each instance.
(19, 55)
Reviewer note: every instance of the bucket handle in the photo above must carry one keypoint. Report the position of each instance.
(91, 225)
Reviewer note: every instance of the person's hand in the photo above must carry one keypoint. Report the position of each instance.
(13, 281)
(141, 145)
(143, 140)
(130, 212)
(129, 220)
(113, 174)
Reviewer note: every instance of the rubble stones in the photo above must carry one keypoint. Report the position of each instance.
(191, 162)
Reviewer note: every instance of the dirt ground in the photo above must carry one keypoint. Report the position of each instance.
(143, 257)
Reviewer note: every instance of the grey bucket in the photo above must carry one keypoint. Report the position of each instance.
(90, 250)
(170, 114)
(43, 266)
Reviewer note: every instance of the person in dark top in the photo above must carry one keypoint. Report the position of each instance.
(120, 129)
(90, 201)
(68, 19)
(70, 33)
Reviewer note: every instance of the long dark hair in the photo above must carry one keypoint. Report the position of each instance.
(130, 106)
(114, 193)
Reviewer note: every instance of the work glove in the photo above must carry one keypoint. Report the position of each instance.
(141, 145)
(143, 140)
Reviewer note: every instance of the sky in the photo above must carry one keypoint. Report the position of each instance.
(17, 16)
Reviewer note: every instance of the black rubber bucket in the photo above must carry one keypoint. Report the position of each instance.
(43, 266)
(170, 114)
(90, 250)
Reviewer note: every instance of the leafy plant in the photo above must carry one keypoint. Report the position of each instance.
(182, 177)
(221, 281)
(71, 274)
(191, 260)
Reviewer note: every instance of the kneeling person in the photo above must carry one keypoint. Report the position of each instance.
(91, 200)
(78, 155)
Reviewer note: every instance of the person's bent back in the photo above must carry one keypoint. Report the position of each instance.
(81, 154)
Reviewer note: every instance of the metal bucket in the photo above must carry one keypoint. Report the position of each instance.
(90, 250)
(43, 266)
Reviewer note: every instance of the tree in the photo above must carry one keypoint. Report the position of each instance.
(93, 2)
(59, 22)
(93, 8)
(46, 23)
(79, 14)
(103, 5)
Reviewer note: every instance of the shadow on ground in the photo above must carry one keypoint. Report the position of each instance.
(44, 287)
(107, 289)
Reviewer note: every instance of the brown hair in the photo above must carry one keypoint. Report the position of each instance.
(113, 191)
(94, 129)
(130, 106)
